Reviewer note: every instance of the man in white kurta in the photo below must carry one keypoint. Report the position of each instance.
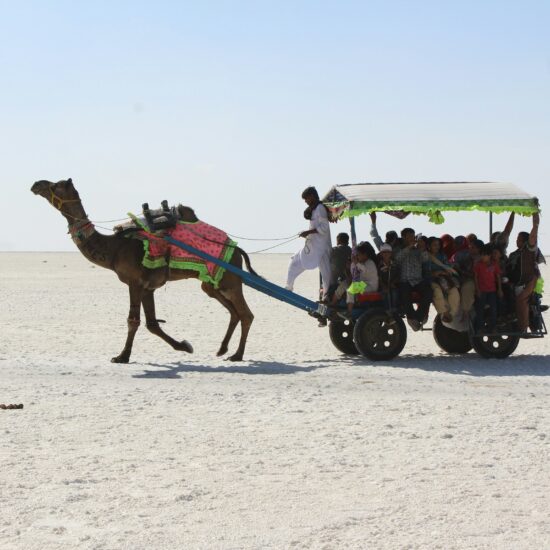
(318, 245)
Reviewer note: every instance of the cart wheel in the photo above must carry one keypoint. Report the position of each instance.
(341, 335)
(379, 336)
(450, 340)
(498, 347)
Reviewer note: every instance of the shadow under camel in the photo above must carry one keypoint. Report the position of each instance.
(468, 364)
(174, 370)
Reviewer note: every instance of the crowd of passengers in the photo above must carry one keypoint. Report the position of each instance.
(455, 274)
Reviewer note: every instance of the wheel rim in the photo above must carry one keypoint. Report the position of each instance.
(495, 344)
(341, 334)
(346, 330)
(498, 346)
(381, 335)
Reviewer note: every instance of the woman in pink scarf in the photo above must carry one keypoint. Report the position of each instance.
(447, 245)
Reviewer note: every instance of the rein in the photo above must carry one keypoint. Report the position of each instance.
(231, 245)
(82, 232)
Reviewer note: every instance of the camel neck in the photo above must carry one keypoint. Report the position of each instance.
(94, 246)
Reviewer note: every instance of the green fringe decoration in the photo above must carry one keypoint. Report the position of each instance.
(433, 210)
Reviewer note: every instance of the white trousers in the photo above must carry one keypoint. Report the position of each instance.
(296, 268)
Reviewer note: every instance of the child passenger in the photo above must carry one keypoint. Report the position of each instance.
(446, 297)
(364, 272)
(388, 275)
(488, 287)
(340, 260)
(507, 304)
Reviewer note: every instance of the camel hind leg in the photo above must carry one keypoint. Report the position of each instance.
(235, 296)
(233, 321)
(148, 301)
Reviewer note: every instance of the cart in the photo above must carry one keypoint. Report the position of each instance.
(369, 331)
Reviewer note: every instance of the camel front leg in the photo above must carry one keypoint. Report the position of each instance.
(136, 293)
(148, 300)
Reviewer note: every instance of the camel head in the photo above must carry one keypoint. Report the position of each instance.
(62, 196)
(187, 214)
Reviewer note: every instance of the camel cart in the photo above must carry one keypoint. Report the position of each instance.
(375, 332)
(379, 337)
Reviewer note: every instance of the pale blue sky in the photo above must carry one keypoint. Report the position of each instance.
(235, 107)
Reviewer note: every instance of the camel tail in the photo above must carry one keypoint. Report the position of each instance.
(247, 261)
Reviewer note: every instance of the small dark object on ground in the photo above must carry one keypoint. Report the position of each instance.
(12, 406)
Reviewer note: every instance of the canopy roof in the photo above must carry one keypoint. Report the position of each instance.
(431, 198)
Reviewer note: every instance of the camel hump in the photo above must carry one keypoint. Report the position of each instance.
(187, 214)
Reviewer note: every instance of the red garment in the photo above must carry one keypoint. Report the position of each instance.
(487, 276)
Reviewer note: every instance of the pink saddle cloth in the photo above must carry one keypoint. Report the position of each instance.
(199, 235)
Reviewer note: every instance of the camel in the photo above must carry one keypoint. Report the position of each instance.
(124, 257)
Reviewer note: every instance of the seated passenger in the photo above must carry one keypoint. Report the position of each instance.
(506, 305)
(340, 260)
(422, 242)
(446, 297)
(364, 273)
(461, 244)
(500, 239)
(388, 277)
(409, 260)
(447, 245)
(488, 288)
(422, 245)
(523, 271)
(391, 236)
(464, 263)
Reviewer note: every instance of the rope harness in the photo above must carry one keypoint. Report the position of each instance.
(202, 237)
(294, 237)
(81, 230)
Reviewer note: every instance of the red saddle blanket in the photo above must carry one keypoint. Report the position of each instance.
(199, 235)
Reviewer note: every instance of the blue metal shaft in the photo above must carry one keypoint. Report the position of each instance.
(256, 282)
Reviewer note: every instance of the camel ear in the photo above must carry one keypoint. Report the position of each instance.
(70, 180)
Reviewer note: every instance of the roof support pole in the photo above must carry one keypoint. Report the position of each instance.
(490, 225)
(352, 231)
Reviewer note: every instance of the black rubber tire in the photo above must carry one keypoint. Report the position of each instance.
(449, 340)
(341, 335)
(495, 347)
(379, 336)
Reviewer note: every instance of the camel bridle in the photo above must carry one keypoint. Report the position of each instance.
(80, 228)
(60, 201)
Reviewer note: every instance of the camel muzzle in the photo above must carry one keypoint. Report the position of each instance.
(38, 187)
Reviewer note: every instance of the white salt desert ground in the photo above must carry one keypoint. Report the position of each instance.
(296, 447)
